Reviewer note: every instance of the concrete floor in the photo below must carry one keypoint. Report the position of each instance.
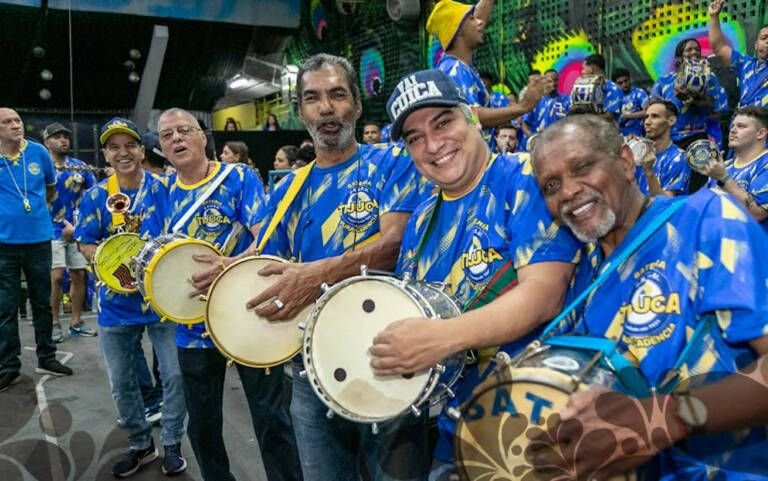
(64, 429)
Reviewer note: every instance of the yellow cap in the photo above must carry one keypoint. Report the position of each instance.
(445, 20)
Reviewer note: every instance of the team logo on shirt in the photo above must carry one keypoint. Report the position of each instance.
(33, 168)
(479, 257)
(359, 210)
(646, 315)
(211, 219)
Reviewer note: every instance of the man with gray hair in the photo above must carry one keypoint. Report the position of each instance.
(683, 293)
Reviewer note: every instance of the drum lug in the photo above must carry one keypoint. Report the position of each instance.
(230, 362)
(448, 391)
(363, 270)
(303, 374)
(329, 414)
(267, 371)
(440, 368)
(453, 413)
(202, 297)
(302, 326)
(416, 411)
(325, 287)
(375, 428)
(206, 335)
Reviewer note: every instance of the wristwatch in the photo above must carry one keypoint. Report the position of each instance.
(721, 182)
(692, 411)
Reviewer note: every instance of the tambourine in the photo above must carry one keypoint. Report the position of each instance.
(700, 153)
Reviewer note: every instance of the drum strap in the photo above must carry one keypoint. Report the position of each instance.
(299, 178)
(203, 197)
(562, 320)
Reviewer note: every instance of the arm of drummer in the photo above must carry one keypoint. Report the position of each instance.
(717, 40)
(202, 280)
(410, 345)
(299, 283)
(654, 185)
(484, 9)
(716, 170)
(493, 117)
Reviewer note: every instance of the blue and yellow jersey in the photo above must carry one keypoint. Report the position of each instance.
(706, 264)
(752, 177)
(632, 102)
(466, 78)
(95, 226)
(223, 220)
(690, 120)
(32, 172)
(671, 169)
(753, 79)
(614, 98)
(548, 110)
(70, 187)
(338, 208)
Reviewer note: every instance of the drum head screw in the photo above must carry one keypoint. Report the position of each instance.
(369, 306)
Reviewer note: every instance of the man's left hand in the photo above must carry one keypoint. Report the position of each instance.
(297, 286)
(203, 279)
(715, 169)
(68, 232)
(407, 346)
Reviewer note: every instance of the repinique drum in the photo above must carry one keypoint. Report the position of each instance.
(164, 270)
(693, 74)
(521, 394)
(340, 331)
(112, 262)
(589, 91)
(700, 153)
(240, 334)
(640, 146)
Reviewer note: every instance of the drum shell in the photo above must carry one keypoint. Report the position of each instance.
(359, 395)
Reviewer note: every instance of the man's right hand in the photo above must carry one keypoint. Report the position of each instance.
(537, 86)
(213, 265)
(715, 8)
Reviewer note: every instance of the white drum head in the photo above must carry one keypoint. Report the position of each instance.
(340, 337)
(241, 334)
(168, 282)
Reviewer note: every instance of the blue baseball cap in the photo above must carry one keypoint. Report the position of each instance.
(118, 125)
(426, 88)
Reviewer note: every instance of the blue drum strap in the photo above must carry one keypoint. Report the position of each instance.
(612, 265)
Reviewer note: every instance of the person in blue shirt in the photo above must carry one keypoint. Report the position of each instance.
(486, 218)
(752, 71)
(664, 171)
(27, 185)
(633, 104)
(745, 175)
(123, 318)
(552, 107)
(72, 180)
(227, 217)
(687, 307)
(350, 210)
(505, 140)
(371, 132)
(460, 28)
(614, 97)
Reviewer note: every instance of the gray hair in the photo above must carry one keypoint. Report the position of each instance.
(177, 111)
(598, 132)
(320, 60)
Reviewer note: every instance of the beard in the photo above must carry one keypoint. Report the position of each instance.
(340, 140)
(605, 225)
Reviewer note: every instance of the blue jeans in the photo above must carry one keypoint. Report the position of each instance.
(268, 397)
(35, 259)
(118, 346)
(331, 449)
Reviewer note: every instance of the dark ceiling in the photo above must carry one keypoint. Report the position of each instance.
(199, 58)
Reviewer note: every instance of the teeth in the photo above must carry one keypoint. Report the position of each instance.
(443, 159)
(582, 209)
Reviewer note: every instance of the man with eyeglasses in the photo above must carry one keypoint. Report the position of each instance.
(123, 318)
(27, 183)
(230, 199)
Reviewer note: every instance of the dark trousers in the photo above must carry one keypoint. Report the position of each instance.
(35, 260)
(268, 397)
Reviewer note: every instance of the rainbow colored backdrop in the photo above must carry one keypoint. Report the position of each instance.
(658, 53)
(371, 68)
(318, 16)
(570, 52)
(434, 52)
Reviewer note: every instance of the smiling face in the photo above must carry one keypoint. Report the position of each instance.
(182, 140)
(446, 148)
(328, 108)
(124, 154)
(692, 50)
(584, 188)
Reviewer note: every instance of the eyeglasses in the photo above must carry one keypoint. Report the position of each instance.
(115, 148)
(183, 130)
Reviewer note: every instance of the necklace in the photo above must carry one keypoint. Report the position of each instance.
(24, 198)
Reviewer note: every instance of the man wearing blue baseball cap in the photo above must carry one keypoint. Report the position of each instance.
(486, 230)
(124, 317)
(460, 29)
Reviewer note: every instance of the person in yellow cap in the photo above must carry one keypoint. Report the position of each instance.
(460, 29)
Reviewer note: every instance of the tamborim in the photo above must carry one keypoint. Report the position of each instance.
(339, 332)
(693, 75)
(589, 91)
(240, 334)
(112, 262)
(640, 146)
(520, 395)
(164, 270)
(700, 153)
